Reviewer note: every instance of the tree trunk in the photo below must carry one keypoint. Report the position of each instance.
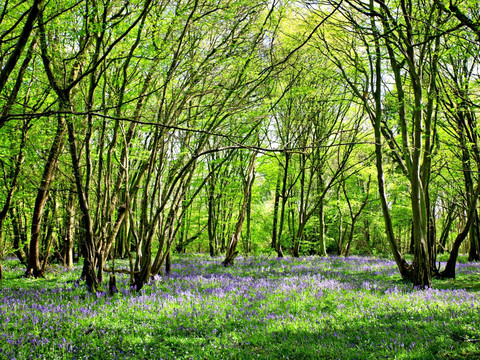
(104, 252)
(322, 248)
(1, 250)
(469, 188)
(70, 230)
(284, 202)
(354, 216)
(302, 211)
(474, 250)
(376, 118)
(275, 212)
(446, 227)
(33, 268)
(231, 250)
(449, 271)
(168, 263)
(248, 235)
(421, 275)
(20, 241)
(9, 196)
(89, 248)
(212, 233)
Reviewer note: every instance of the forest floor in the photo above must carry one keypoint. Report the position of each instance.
(265, 308)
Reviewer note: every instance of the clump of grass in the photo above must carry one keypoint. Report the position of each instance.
(305, 308)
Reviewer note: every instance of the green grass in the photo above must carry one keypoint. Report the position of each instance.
(265, 308)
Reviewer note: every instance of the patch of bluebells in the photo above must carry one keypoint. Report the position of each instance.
(307, 307)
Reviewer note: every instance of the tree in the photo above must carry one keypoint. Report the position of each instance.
(400, 33)
(232, 244)
(344, 248)
(457, 99)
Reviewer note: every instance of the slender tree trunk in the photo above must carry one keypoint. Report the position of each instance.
(284, 202)
(474, 250)
(182, 242)
(1, 249)
(354, 216)
(212, 234)
(50, 236)
(302, 211)
(322, 248)
(366, 231)
(446, 227)
(9, 196)
(33, 268)
(231, 250)
(431, 236)
(19, 236)
(249, 218)
(341, 232)
(449, 271)
(168, 262)
(469, 188)
(376, 119)
(89, 248)
(70, 229)
(107, 245)
(275, 212)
